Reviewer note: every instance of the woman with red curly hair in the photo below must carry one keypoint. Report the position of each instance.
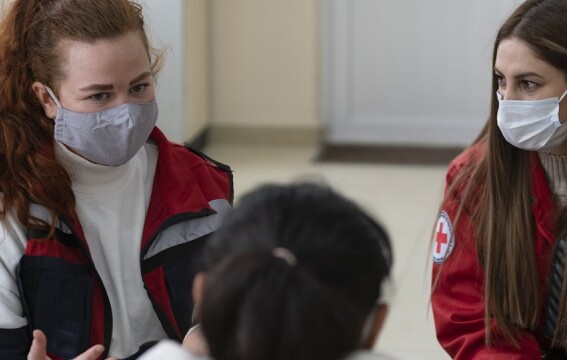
(102, 219)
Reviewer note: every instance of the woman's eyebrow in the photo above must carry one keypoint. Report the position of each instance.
(520, 75)
(527, 74)
(140, 77)
(105, 87)
(98, 87)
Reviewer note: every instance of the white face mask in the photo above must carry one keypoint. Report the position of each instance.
(109, 137)
(531, 125)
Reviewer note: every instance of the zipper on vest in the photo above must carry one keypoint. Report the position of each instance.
(173, 220)
(108, 309)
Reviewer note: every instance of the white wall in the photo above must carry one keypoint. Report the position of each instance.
(265, 68)
(182, 27)
(165, 22)
(407, 72)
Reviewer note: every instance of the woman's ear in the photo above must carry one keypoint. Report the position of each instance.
(48, 104)
(379, 318)
(199, 283)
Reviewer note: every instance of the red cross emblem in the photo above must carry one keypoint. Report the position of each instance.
(441, 238)
(444, 239)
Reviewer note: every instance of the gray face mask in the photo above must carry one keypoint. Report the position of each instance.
(109, 137)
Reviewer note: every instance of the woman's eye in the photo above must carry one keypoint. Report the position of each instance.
(500, 81)
(137, 89)
(99, 97)
(529, 85)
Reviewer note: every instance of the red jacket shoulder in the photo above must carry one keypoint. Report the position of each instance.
(466, 160)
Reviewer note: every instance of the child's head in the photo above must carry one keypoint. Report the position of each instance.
(295, 272)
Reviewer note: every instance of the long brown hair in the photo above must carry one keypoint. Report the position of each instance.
(30, 34)
(504, 222)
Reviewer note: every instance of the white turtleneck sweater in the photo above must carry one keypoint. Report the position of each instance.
(112, 203)
(555, 167)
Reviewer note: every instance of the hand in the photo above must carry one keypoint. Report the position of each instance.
(38, 350)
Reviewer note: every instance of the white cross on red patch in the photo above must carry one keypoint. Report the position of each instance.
(444, 239)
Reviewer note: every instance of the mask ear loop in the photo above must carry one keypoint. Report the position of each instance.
(367, 327)
(53, 97)
(562, 96)
(386, 294)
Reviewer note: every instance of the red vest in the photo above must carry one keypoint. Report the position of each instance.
(60, 289)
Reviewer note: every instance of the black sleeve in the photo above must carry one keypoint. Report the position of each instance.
(14, 343)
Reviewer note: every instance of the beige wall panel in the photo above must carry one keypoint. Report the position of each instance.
(196, 79)
(265, 63)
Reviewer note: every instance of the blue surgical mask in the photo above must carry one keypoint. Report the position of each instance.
(109, 137)
(531, 125)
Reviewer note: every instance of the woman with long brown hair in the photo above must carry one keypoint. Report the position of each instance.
(102, 219)
(499, 284)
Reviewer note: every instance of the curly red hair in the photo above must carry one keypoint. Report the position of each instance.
(30, 34)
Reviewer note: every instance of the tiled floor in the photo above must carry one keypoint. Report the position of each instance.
(404, 198)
